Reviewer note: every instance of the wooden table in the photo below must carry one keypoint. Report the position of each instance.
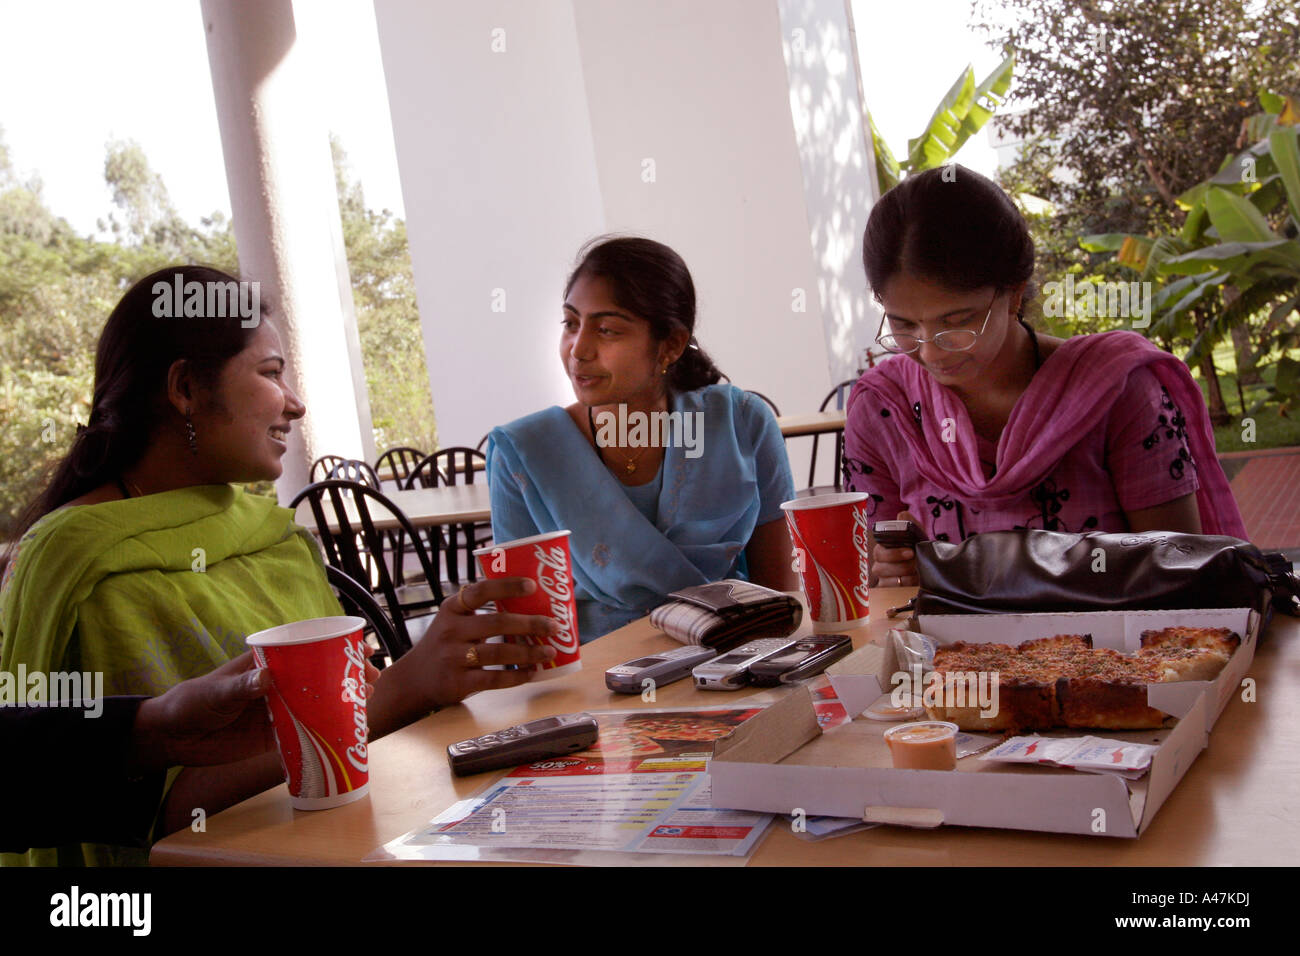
(812, 423)
(454, 504)
(1235, 806)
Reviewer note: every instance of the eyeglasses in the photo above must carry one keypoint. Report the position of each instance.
(950, 340)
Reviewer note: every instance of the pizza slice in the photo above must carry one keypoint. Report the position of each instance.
(1107, 703)
(1190, 653)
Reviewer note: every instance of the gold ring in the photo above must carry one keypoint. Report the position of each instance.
(463, 603)
(471, 657)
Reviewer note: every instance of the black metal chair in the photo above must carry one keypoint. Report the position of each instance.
(482, 442)
(455, 466)
(839, 394)
(323, 466)
(400, 461)
(354, 469)
(771, 404)
(355, 546)
(358, 601)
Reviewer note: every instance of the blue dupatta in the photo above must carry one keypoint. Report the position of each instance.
(545, 476)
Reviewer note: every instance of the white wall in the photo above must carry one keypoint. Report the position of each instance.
(700, 89)
(499, 182)
(510, 160)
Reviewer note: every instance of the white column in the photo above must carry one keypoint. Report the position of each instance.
(286, 219)
(839, 170)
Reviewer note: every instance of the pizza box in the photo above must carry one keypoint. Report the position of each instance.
(781, 761)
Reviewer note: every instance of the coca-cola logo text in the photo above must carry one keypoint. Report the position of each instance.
(861, 524)
(554, 579)
(354, 692)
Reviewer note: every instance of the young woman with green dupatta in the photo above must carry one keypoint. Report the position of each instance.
(141, 560)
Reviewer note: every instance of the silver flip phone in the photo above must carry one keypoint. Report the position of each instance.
(730, 671)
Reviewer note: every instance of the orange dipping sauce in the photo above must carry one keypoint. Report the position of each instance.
(923, 745)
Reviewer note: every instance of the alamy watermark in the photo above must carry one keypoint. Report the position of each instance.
(624, 429)
(951, 689)
(1110, 300)
(83, 689)
(211, 300)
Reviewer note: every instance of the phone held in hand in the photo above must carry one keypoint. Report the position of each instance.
(524, 743)
(809, 656)
(897, 534)
(662, 669)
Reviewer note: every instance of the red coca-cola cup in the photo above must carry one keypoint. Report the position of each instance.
(545, 559)
(318, 706)
(829, 533)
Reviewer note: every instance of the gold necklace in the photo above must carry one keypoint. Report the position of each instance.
(630, 464)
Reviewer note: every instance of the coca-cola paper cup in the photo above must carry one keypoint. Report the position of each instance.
(318, 706)
(829, 533)
(545, 558)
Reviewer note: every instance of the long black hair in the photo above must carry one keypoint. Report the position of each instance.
(651, 281)
(135, 351)
(950, 226)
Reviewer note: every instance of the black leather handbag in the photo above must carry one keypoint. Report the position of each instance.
(1040, 571)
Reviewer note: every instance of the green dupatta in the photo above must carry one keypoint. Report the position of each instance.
(152, 591)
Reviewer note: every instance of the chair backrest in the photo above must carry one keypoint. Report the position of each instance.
(482, 442)
(839, 394)
(356, 599)
(353, 469)
(356, 547)
(771, 404)
(401, 461)
(447, 466)
(322, 466)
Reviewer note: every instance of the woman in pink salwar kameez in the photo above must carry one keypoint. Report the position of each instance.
(982, 424)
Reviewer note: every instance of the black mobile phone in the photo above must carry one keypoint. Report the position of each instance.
(897, 534)
(805, 658)
(525, 743)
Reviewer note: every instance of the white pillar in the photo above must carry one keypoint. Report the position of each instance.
(839, 169)
(286, 219)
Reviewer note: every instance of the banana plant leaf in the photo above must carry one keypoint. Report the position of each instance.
(1165, 247)
(1103, 241)
(1237, 258)
(932, 147)
(1284, 146)
(989, 95)
(961, 113)
(888, 173)
(1248, 166)
(1235, 217)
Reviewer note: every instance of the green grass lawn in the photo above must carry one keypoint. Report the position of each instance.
(1271, 428)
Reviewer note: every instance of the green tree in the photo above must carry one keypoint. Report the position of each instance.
(56, 291)
(1131, 104)
(388, 322)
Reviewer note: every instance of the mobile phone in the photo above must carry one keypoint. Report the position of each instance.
(810, 656)
(663, 669)
(897, 534)
(524, 743)
(731, 670)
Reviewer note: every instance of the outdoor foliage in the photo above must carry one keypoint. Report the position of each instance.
(1234, 266)
(383, 291)
(962, 113)
(1133, 104)
(57, 289)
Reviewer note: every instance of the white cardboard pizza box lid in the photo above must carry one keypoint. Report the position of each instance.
(780, 760)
